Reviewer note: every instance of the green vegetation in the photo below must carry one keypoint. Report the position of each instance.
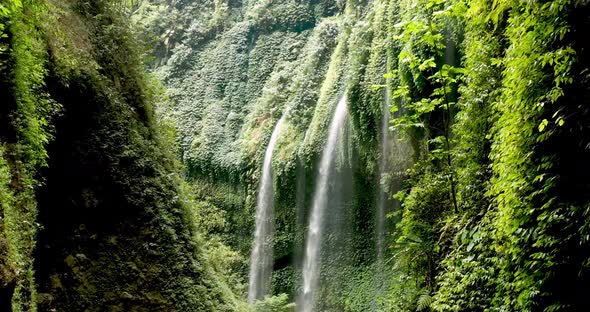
(486, 206)
(132, 134)
(479, 100)
(94, 212)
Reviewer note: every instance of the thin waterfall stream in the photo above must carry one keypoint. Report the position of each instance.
(383, 201)
(262, 251)
(311, 263)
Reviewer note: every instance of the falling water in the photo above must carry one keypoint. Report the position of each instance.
(262, 252)
(383, 203)
(383, 191)
(312, 249)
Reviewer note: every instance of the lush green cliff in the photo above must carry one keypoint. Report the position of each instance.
(487, 104)
(232, 72)
(94, 213)
(459, 180)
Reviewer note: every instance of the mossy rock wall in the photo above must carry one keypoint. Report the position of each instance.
(229, 90)
(94, 213)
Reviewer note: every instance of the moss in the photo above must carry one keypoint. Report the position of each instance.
(228, 92)
(118, 229)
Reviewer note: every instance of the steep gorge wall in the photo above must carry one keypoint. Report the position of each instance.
(94, 215)
(482, 91)
(229, 84)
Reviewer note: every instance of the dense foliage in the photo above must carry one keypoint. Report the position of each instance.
(488, 117)
(490, 205)
(468, 124)
(94, 214)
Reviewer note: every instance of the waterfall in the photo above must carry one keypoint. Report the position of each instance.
(383, 203)
(262, 251)
(383, 189)
(311, 261)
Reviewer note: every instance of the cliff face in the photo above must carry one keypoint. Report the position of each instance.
(479, 93)
(232, 69)
(473, 114)
(94, 215)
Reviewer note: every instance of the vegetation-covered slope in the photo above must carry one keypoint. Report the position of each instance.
(94, 213)
(499, 200)
(487, 98)
(230, 79)
(468, 125)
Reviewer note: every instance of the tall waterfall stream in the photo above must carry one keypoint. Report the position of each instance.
(262, 251)
(311, 263)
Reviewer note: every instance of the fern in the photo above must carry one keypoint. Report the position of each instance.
(425, 301)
